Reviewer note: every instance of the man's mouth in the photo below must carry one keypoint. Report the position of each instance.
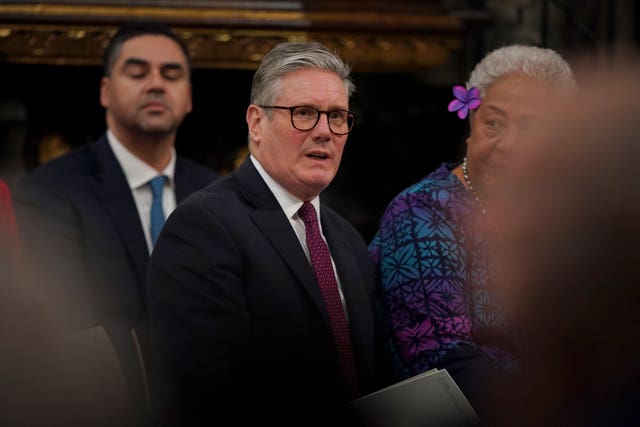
(154, 105)
(318, 156)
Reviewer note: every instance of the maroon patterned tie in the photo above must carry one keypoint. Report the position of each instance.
(321, 262)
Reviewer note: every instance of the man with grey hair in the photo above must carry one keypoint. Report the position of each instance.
(260, 296)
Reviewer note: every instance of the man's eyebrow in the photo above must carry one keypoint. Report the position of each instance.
(135, 61)
(172, 66)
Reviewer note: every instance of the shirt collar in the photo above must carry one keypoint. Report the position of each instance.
(289, 203)
(137, 172)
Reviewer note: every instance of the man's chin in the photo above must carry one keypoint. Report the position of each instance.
(315, 187)
(320, 180)
(159, 129)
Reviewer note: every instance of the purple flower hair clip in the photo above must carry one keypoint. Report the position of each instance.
(465, 101)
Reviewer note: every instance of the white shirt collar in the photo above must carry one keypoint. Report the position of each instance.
(137, 172)
(289, 203)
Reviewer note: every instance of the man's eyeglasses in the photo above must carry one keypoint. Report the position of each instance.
(306, 118)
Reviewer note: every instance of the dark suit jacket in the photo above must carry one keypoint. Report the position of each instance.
(237, 314)
(81, 231)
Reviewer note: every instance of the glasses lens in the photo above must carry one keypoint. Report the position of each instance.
(304, 118)
(340, 121)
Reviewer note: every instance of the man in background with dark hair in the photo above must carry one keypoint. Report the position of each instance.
(89, 219)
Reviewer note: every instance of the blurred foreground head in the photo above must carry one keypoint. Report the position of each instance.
(568, 257)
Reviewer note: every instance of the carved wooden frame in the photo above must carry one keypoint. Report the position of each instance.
(226, 35)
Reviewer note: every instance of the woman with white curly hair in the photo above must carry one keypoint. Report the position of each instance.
(435, 278)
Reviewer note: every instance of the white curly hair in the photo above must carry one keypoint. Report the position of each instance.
(545, 65)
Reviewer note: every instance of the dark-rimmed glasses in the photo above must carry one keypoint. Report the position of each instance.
(305, 118)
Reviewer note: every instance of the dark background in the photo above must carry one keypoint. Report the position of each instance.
(403, 131)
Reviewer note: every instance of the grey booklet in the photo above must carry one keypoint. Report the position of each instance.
(431, 398)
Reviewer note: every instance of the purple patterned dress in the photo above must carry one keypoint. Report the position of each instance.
(434, 277)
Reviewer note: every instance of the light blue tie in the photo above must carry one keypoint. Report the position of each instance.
(157, 214)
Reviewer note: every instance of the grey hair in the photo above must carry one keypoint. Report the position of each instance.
(540, 64)
(285, 58)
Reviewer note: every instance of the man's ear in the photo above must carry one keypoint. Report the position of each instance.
(105, 88)
(190, 104)
(255, 117)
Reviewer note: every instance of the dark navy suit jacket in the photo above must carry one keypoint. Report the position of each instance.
(237, 316)
(81, 231)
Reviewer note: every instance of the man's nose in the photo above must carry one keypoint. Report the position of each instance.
(322, 127)
(155, 80)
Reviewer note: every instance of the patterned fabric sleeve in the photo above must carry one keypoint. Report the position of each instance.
(420, 257)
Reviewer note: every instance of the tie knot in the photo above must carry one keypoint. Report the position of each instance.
(308, 214)
(157, 184)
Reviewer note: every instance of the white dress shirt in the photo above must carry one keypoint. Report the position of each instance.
(290, 205)
(138, 175)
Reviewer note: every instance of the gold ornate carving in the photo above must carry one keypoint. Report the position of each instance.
(230, 38)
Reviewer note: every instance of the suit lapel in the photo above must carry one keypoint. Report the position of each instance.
(273, 223)
(185, 185)
(182, 185)
(355, 295)
(346, 263)
(112, 190)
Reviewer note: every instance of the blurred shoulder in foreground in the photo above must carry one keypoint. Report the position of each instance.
(568, 251)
